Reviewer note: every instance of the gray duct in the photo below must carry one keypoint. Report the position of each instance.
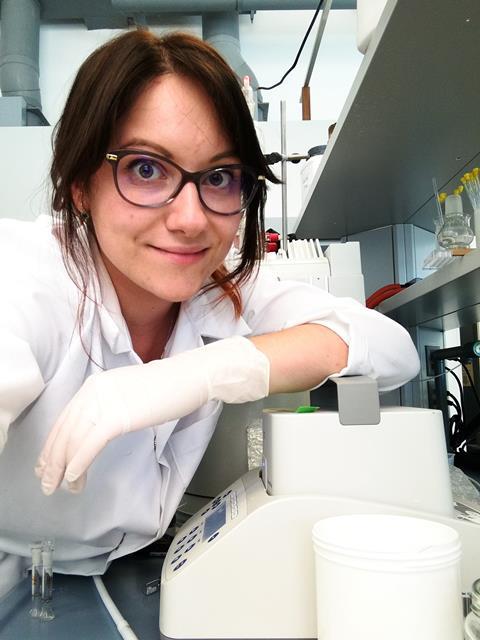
(221, 30)
(196, 7)
(19, 45)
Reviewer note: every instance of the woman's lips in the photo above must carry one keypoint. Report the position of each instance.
(180, 255)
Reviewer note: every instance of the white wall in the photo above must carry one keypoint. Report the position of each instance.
(269, 45)
(24, 165)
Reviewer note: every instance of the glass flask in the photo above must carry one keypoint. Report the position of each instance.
(456, 230)
(472, 621)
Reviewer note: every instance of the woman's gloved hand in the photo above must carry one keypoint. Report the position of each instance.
(117, 401)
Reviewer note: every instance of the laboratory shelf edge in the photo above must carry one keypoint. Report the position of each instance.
(447, 299)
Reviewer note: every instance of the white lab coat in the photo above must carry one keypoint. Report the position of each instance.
(137, 481)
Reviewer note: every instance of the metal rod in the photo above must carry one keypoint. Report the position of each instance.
(318, 39)
(283, 145)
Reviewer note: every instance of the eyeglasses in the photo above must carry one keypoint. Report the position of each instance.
(150, 180)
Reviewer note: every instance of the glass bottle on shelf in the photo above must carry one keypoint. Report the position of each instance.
(456, 230)
(472, 621)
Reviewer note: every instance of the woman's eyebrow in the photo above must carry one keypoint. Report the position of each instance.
(229, 153)
(141, 142)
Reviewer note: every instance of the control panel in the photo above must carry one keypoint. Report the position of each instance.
(204, 528)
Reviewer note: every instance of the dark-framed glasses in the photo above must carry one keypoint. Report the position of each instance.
(150, 180)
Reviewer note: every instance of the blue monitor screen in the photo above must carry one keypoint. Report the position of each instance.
(215, 520)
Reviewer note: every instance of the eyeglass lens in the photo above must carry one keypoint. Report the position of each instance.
(149, 181)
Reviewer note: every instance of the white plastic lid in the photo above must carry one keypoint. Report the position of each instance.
(386, 542)
(453, 204)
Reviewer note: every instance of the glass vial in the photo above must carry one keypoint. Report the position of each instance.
(36, 578)
(47, 612)
(472, 621)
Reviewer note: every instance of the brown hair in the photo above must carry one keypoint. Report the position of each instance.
(104, 90)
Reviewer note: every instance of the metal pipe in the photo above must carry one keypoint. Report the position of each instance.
(196, 7)
(283, 148)
(318, 39)
(19, 47)
(222, 31)
(222, 23)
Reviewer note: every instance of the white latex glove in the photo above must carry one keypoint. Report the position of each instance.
(117, 401)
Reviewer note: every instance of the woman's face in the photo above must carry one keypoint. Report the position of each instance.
(165, 253)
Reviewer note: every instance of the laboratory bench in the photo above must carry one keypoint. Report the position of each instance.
(81, 614)
(79, 610)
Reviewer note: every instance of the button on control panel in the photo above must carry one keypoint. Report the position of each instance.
(206, 528)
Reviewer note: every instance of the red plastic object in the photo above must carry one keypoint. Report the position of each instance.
(382, 294)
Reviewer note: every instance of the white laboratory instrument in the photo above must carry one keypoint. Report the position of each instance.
(243, 566)
(337, 270)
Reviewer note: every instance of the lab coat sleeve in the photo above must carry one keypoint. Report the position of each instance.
(29, 324)
(378, 346)
(20, 380)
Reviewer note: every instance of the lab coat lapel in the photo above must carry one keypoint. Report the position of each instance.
(212, 319)
(181, 443)
(199, 322)
(184, 338)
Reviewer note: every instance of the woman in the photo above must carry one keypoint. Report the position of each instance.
(121, 319)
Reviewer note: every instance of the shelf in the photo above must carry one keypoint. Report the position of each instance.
(412, 114)
(447, 299)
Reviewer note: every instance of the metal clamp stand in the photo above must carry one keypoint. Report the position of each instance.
(283, 149)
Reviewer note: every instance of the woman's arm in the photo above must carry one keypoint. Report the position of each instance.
(321, 325)
(302, 357)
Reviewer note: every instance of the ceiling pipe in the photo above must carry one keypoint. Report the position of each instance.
(196, 7)
(222, 31)
(19, 47)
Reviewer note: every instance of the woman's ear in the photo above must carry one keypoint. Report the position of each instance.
(80, 198)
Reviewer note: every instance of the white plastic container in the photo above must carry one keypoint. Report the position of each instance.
(383, 576)
(368, 15)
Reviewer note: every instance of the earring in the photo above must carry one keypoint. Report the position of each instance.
(83, 216)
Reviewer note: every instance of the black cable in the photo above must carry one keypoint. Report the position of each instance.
(460, 388)
(454, 402)
(299, 51)
(469, 376)
(470, 430)
(456, 438)
(455, 422)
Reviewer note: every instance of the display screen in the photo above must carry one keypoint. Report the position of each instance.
(215, 520)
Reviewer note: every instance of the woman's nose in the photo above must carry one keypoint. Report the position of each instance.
(186, 213)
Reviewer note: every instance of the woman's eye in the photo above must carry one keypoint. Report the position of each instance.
(219, 179)
(146, 169)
